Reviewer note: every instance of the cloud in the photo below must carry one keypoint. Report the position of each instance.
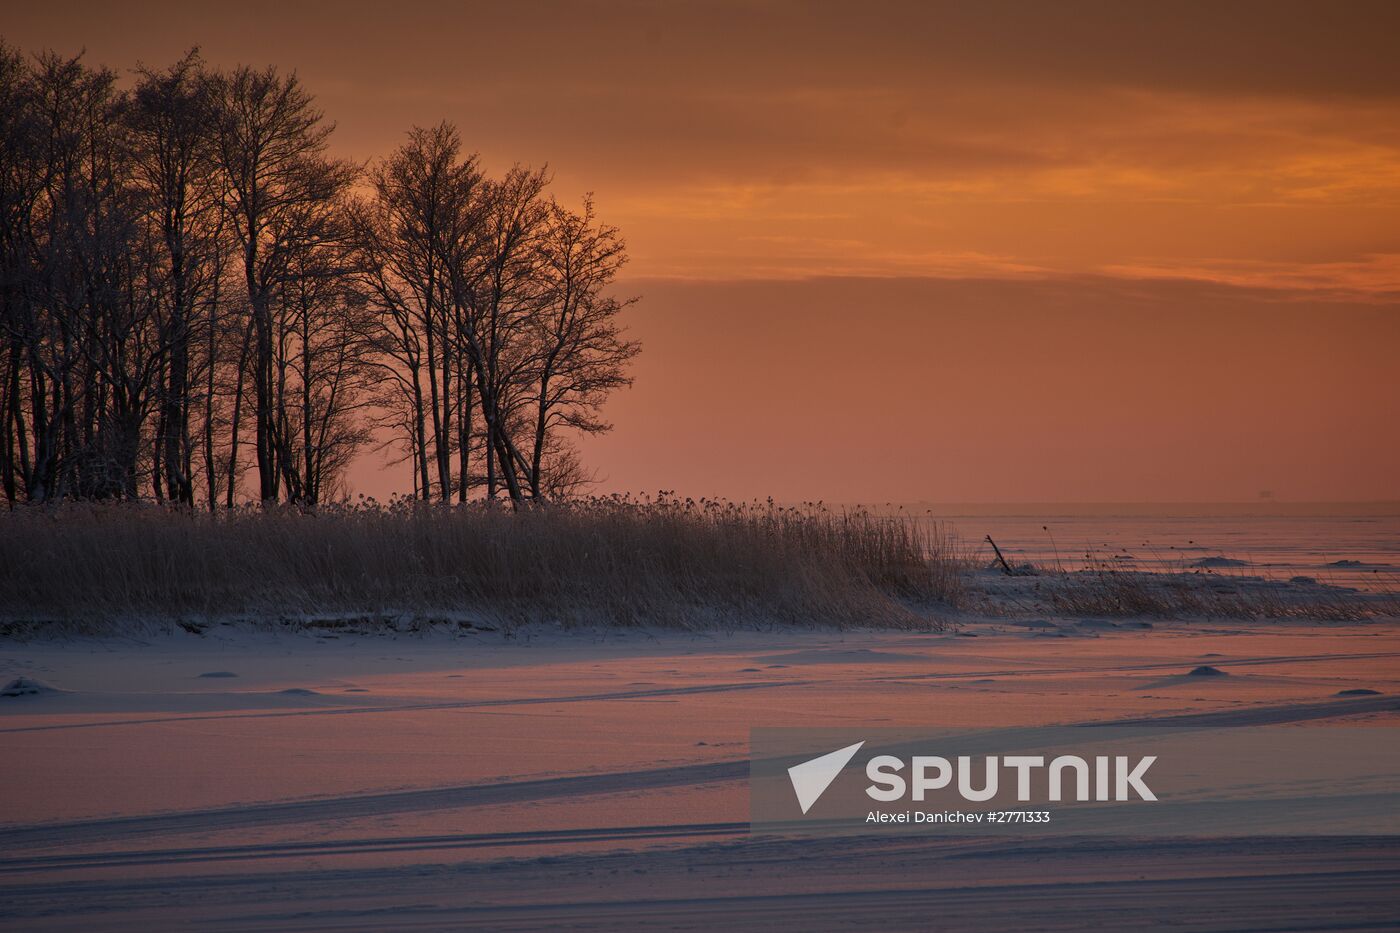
(1237, 142)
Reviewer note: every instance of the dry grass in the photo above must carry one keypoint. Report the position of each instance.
(610, 561)
(1104, 589)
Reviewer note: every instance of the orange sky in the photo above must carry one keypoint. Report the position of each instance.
(972, 252)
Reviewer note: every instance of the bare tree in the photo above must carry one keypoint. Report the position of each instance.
(323, 373)
(421, 220)
(184, 256)
(496, 291)
(270, 145)
(21, 182)
(580, 355)
(91, 360)
(169, 116)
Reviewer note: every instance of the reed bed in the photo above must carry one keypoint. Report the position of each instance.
(615, 561)
(1104, 589)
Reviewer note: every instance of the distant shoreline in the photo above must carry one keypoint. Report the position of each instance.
(1259, 509)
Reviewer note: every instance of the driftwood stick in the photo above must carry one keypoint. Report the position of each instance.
(1006, 568)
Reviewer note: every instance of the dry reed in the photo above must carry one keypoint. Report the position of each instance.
(607, 561)
(1104, 589)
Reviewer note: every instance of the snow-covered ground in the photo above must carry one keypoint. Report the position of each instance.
(246, 779)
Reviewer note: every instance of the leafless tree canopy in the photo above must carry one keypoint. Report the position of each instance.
(199, 304)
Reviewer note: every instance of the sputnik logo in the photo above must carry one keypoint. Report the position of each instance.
(811, 778)
(1115, 778)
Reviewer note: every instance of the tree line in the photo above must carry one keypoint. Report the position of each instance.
(200, 304)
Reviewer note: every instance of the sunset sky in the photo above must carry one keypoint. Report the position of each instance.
(920, 251)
